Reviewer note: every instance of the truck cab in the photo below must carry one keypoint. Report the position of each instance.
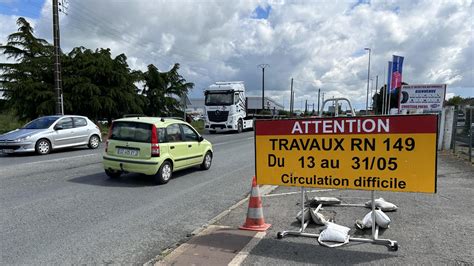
(225, 107)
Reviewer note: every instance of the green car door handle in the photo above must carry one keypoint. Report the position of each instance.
(172, 147)
(189, 146)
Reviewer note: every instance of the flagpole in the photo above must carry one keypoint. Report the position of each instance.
(384, 98)
(389, 85)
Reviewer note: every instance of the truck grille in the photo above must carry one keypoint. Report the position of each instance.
(217, 116)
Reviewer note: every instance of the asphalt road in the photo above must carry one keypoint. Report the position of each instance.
(62, 209)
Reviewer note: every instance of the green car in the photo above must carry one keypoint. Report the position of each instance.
(154, 146)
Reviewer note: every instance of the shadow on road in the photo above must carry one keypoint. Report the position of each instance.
(56, 151)
(125, 180)
(314, 253)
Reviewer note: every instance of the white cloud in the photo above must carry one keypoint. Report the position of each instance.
(318, 43)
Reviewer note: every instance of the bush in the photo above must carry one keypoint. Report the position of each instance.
(9, 122)
(198, 125)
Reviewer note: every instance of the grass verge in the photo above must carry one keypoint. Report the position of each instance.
(9, 122)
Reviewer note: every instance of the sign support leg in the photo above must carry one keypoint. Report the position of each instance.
(390, 244)
(302, 210)
(373, 215)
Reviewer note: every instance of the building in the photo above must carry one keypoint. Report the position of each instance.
(195, 106)
(254, 104)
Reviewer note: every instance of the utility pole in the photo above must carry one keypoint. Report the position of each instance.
(57, 62)
(263, 66)
(306, 107)
(372, 93)
(319, 94)
(291, 98)
(368, 77)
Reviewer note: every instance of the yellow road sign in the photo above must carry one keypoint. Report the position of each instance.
(392, 153)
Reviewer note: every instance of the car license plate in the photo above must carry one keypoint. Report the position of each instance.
(127, 152)
(7, 150)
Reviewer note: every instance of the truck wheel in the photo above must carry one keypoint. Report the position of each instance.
(240, 126)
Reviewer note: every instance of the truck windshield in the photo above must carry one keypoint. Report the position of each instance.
(221, 98)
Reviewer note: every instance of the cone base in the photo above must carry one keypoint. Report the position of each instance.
(260, 228)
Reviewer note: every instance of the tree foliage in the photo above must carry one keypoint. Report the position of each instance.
(164, 91)
(379, 97)
(99, 86)
(94, 83)
(28, 83)
(455, 101)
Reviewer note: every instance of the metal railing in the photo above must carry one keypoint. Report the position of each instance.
(463, 133)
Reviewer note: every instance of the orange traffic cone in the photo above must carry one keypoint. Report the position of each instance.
(254, 220)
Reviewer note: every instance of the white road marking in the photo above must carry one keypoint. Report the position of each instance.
(228, 142)
(247, 249)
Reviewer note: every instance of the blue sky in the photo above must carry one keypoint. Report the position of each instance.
(27, 8)
(262, 12)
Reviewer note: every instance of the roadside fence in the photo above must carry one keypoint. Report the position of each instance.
(463, 133)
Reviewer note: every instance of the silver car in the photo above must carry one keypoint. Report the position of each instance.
(51, 132)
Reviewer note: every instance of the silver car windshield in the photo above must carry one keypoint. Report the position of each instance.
(41, 123)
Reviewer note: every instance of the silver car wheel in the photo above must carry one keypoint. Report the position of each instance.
(43, 147)
(94, 142)
(166, 172)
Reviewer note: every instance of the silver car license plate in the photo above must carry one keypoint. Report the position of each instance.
(7, 150)
(127, 152)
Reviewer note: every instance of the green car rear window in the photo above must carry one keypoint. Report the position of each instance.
(131, 131)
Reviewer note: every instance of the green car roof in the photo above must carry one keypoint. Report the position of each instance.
(161, 121)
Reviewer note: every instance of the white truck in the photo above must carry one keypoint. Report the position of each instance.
(225, 107)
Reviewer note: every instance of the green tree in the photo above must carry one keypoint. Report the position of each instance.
(163, 91)
(27, 82)
(99, 86)
(379, 97)
(455, 101)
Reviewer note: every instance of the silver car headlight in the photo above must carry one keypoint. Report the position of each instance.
(22, 139)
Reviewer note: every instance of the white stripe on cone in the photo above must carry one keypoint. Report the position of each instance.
(255, 192)
(255, 213)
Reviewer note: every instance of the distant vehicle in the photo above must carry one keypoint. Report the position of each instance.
(225, 107)
(336, 112)
(51, 132)
(154, 146)
(198, 118)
